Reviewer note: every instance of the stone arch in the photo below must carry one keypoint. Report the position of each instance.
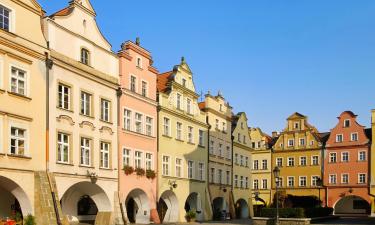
(138, 207)
(242, 209)
(220, 208)
(10, 190)
(168, 208)
(351, 204)
(194, 202)
(71, 197)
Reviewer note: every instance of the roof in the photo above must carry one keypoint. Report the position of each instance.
(63, 12)
(162, 81)
(349, 112)
(324, 136)
(296, 114)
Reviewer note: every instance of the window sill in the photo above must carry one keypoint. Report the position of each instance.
(13, 94)
(167, 136)
(2, 91)
(18, 156)
(138, 67)
(85, 166)
(66, 110)
(107, 122)
(191, 143)
(91, 117)
(201, 146)
(64, 164)
(107, 169)
(180, 140)
(140, 134)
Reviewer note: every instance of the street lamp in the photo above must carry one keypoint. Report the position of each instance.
(256, 196)
(319, 182)
(276, 174)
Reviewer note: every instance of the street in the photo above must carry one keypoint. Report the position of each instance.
(351, 220)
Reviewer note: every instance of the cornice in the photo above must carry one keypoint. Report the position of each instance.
(176, 85)
(247, 148)
(23, 49)
(208, 110)
(153, 70)
(296, 150)
(165, 109)
(28, 119)
(21, 3)
(139, 97)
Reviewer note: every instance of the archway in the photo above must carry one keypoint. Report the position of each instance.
(219, 208)
(168, 207)
(138, 207)
(82, 202)
(194, 203)
(242, 209)
(13, 199)
(352, 205)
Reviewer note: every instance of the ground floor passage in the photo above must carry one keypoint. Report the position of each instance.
(352, 205)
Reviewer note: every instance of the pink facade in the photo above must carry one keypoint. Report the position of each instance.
(346, 166)
(137, 134)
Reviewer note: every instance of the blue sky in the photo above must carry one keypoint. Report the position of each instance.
(270, 58)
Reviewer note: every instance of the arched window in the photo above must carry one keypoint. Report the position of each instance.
(85, 55)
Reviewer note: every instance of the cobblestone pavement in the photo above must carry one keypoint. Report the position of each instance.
(351, 221)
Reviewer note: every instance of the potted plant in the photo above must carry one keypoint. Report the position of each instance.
(30, 220)
(150, 174)
(140, 171)
(191, 216)
(128, 170)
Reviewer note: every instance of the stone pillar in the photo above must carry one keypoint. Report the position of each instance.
(118, 217)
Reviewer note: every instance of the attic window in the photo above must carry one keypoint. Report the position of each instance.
(347, 123)
(85, 54)
(184, 82)
(296, 125)
(139, 62)
(84, 23)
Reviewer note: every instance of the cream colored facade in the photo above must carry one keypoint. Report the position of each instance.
(261, 174)
(372, 165)
(182, 148)
(241, 167)
(22, 105)
(219, 117)
(83, 114)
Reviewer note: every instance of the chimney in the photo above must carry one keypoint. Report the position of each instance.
(138, 41)
(274, 134)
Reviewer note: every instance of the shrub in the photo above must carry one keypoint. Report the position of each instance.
(128, 170)
(30, 220)
(318, 212)
(150, 174)
(191, 215)
(140, 171)
(283, 212)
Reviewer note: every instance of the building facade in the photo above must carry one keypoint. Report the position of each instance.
(83, 143)
(138, 134)
(242, 179)
(261, 167)
(298, 154)
(23, 51)
(182, 148)
(372, 164)
(347, 147)
(220, 167)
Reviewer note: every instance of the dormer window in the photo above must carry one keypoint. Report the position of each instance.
(221, 107)
(339, 138)
(85, 54)
(347, 123)
(4, 18)
(183, 82)
(139, 62)
(296, 125)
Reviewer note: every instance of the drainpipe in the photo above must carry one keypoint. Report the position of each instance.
(49, 65)
(232, 175)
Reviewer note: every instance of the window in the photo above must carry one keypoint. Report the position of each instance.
(138, 159)
(184, 82)
(220, 153)
(133, 83)
(332, 157)
(362, 156)
(144, 88)
(127, 119)
(244, 139)
(166, 126)
(247, 183)
(104, 155)
(63, 146)
(178, 101)
(302, 142)
(212, 177)
(236, 180)
(339, 138)
(253, 144)
(224, 127)
(315, 160)
(201, 138)
(354, 136)
(85, 54)
(18, 141)
(290, 181)
(64, 96)
(236, 159)
(290, 161)
(229, 153)
(302, 181)
(228, 178)
(188, 106)
(296, 125)
(138, 123)
(217, 124)
(139, 62)
(290, 143)
(148, 161)
(332, 179)
(361, 178)
(105, 110)
(241, 182)
(220, 176)
(126, 157)
(166, 161)
(201, 171)
(190, 169)
(311, 143)
(149, 125)
(18, 81)
(264, 164)
(85, 151)
(264, 183)
(178, 167)
(302, 161)
(314, 181)
(256, 165)
(241, 160)
(256, 184)
(279, 162)
(221, 107)
(279, 182)
(246, 161)
(212, 147)
(4, 18)
(190, 135)
(346, 123)
(242, 126)
(239, 137)
(345, 157)
(345, 178)
(179, 131)
(86, 103)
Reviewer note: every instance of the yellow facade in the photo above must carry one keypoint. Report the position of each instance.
(182, 148)
(372, 166)
(298, 154)
(241, 167)
(261, 177)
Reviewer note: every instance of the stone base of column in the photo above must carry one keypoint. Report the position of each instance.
(154, 215)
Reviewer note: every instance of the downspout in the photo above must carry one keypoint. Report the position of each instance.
(232, 176)
(157, 153)
(119, 94)
(49, 65)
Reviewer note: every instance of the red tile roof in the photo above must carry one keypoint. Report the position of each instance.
(202, 105)
(163, 80)
(63, 12)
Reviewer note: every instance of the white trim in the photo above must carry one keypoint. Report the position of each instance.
(169, 165)
(299, 181)
(289, 145)
(132, 120)
(358, 176)
(301, 160)
(342, 175)
(359, 160)
(193, 169)
(312, 160)
(147, 88)
(27, 79)
(342, 154)
(130, 156)
(1, 72)
(182, 167)
(141, 62)
(204, 171)
(136, 82)
(329, 157)
(169, 127)
(311, 181)
(23, 126)
(294, 161)
(282, 161)
(287, 181)
(12, 16)
(329, 178)
(337, 138)
(351, 136)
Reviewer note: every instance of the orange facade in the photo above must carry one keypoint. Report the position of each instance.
(346, 166)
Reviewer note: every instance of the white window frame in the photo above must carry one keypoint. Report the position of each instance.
(291, 178)
(105, 153)
(128, 119)
(300, 160)
(291, 143)
(149, 126)
(255, 184)
(105, 110)
(342, 157)
(179, 100)
(138, 122)
(277, 163)
(264, 181)
(62, 144)
(87, 99)
(166, 126)
(359, 178)
(330, 158)
(312, 160)
(302, 140)
(300, 181)
(168, 164)
(257, 163)
(201, 171)
(138, 159)
(330, 180)
(314, 182)
(139, 62)
(338, 139)
(149, 162)
(190, 134)
(201, 137)
(347, 120)
(144, 88)
(84, 149)
(264, 164)
(131, 83)
(25, 79)
(191, 169)
(342, 178)
(189, 106)
(181, 166)
(61, 96)
(11, 25)
(351, 136)
(212, 175)
(126, 156)
(359, 156)
(288, 162)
